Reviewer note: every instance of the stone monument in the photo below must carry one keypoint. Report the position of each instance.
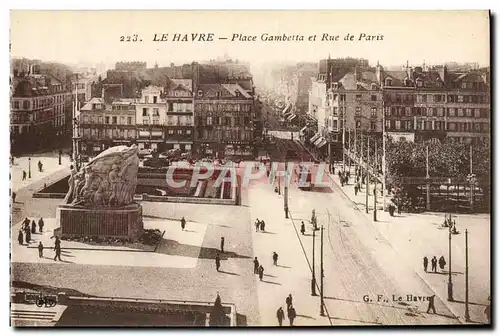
(100, 200)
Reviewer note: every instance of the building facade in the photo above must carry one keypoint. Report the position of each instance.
(179, 127)
(224, 120)
(151, 113)
(414, 103)
(103, 125)
(41, 110)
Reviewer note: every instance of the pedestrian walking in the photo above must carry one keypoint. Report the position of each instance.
(275, 259)
(217, 262)
(40, 225)
(434, 264)
(40, 165)
(302, 228)
(58, 252)
(280, 314)
(255, 266)
(291, 315)
(33, 227)
(222, 244)
(442, 263)
(262, 226)
(40, 250)
(261, 272)
(24, 175)
(356, 189)
(289, 301)
(14, 197)
(183, 223)
(257, 225)
(20, 237)
(426, 262)
(28, 236)
(431, 304)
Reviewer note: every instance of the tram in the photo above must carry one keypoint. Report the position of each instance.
(304, 181)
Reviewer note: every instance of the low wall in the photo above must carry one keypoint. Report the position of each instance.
(132, 304)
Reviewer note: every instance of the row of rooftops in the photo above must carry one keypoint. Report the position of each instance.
(220, 91)
(353, 74)
(36, 85)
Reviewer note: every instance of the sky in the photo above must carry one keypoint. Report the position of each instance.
(432, 37)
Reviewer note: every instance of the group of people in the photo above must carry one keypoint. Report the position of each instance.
(258, 268)
(260, 225)
(434, 263)
(344, 177)
(29, 230)
(280, 314)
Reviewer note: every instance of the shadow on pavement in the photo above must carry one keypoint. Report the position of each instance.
(173, 247)
(47, 289)
(323, 190)
(283, 266)
(230, 273)
(472, 303)
(269, 232)
(306, 316)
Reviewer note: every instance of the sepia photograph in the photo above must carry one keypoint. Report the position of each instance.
(262, 168)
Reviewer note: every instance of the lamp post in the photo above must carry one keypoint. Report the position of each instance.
(29, 167)
(313, 280)
(60, 153)
(467, 315)
(375, 186)
(428, 185)
(286, 189)
(367, 173)
(322, 308)
(450, 283)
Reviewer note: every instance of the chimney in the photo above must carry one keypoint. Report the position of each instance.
(379, 73)
(443, 73)
(172, 65)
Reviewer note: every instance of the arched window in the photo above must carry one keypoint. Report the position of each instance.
(388, 81)
(374, 86)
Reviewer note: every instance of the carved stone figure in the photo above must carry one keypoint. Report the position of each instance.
(109, 180)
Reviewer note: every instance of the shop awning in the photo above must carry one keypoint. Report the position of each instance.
(303, 130)
(314, 138)
(321, 143)
(291, 117)
(318, 140)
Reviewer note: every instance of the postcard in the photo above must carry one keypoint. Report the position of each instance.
(250, 168)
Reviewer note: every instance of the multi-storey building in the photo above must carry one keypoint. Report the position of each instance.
(81, 86)
(179, 128)
(41, 108)
(224, 116)
(425, 103)
(151, 113)
(103, 125)
(413, 103)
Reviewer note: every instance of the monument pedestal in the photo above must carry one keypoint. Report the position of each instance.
(121, 223)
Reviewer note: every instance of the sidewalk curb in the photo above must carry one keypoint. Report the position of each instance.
(90, 249)
(459, 318)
